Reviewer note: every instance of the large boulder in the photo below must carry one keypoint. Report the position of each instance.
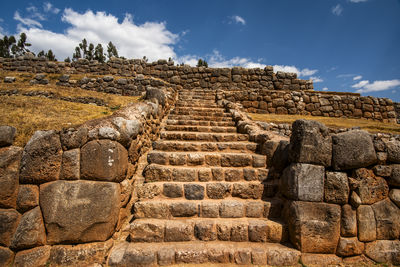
(6, 257)
(28, 197)
(7, 135)
(352, 149)
(79, 211)
(110, 164)
(387, 217)
(30, 231)
(33, 257)
(394, 178)
(304, 182)
(73, 138)
(41, 159)
(314, 227)
(10, 158)
(348, 226)
(387, 251)
(155, 93)
(310, 143)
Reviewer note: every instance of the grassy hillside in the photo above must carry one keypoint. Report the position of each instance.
(31, 113)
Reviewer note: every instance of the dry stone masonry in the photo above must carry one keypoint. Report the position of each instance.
(186, 177)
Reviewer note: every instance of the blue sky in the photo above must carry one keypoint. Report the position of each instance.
(343, 45)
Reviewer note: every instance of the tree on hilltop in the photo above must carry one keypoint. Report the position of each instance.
(99, 54)
(202, 63)
(111, 50)
(9, 47)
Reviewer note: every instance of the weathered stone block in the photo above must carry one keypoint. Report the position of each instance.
(79, 211)
(176, 231)
(349, 247)
(6, 257)
(336, 188)
(194, 191)
(70, 168)
(9, 169)
(247, 190)
(111, 161)
(172, 190)
(183, 209)
(348, 226)
(310, 143)
(387, 216)
(239, 232)
(143, 231)
(236, 160)
(209, 210)
(394, 195)
(41, 159)
(314, 227)
(393, 151)
(28, 197)
(302, 181)
(385, 251)
(74, 138)
(205, 230)
(366, 223)
(258, 231)
(33, 257)
(9, 220)
(157, 210)
(184, 175)
(254, 209)
(218, 190)
(231, 209)
(30, 231)
(394, 179)
(370, 188)
(352, 149)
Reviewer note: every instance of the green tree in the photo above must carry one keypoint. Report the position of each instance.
(50, 56)
(77, 55)
(6, 45)
(68, 60)
(21, 46)
(111, 50)
(99, 54)
(90, 52)
(83, 47)
(202, 63)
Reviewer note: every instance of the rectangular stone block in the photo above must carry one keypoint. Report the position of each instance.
(176, 231)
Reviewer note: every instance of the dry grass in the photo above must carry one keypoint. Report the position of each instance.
(29, 114)
(368, 125)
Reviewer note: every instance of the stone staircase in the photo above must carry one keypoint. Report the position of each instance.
(204, 200)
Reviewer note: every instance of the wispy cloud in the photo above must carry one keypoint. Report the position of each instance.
(316, 79)
(325, 89)
(345, 75)
(34, 13)
(294, 69)
(337, 10)
(365, 86)
(48, 7)
(27, 21)
(358, 77)
(238, 20)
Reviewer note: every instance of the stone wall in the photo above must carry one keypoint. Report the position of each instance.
(185, 76)
(341, 191)
(348, 105)
(57, 204)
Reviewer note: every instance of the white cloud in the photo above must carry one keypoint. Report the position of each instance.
(150, 39)
(358, 1)
(293, 69)
(337, 10)
(216, 60)
(316, 79)
(27, 21)
(325, 89)
(48, 7)
(359, 77)
(345, 75)
(365, 86)
(239, 20)
(34, 13)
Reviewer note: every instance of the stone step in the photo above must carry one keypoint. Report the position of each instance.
(199, 252)
(187, 158)
(243, 147)
(213, 109)
(200, 123)
(166, 173)
(213, 137)
(199, 118)
(206, 129)
(226, 208)
(203, 97)
(204, 190)
(201, 113)
(206, 230)
(197, 103)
